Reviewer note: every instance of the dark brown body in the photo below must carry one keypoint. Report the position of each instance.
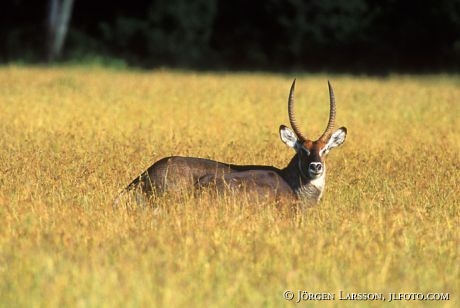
(177, 174)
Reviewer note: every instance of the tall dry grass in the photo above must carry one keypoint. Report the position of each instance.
(71, 138)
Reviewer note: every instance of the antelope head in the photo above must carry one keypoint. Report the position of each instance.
(311, 154)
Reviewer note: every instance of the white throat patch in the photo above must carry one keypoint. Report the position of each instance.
(320, 182)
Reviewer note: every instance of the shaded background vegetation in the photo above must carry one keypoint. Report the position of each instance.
(343, 35)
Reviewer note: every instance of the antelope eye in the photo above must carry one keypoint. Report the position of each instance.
(323, 152)
(306, 152)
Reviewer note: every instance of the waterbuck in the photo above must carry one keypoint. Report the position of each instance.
(302, 180)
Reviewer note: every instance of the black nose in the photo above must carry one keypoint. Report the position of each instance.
(316, 167)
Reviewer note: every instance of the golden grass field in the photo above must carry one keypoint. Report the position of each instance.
(72, 137)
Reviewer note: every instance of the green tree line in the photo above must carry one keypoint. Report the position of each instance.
(358, 35)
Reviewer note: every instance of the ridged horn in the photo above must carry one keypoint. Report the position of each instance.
(331, 122)
(291, 114)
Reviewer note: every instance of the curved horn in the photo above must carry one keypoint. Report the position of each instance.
(291, 113)
(331, 123)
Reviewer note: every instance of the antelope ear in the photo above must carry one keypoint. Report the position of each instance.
(288, 136)
(336, 139)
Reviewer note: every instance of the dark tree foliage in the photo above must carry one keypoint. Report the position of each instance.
(335, 35)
